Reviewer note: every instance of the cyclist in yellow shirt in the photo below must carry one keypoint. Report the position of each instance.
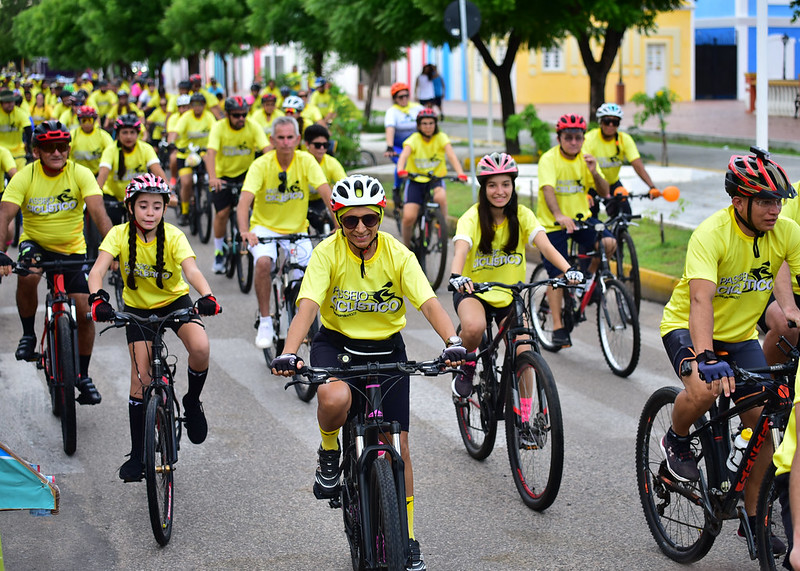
(212, 103)
(362, 263)
(154, 256)
(40, 111)
(89, 141)
(123, 107)
(15, 128)
(271, 89)
(309, 112)
(731, 263)
(423, 152)
(51, 193)
(265, 116)
(232, 147)
(318, 143)
(156, 121)
(321, 99)
(277, 187)
(103, 99)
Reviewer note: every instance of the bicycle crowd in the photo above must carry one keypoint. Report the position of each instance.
(94, 167)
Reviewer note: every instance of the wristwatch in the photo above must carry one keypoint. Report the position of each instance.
(454, 341)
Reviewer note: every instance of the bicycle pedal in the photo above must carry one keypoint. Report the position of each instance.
(335, 503)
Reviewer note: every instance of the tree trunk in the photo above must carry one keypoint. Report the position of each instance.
(194, 63)
(317, 59)
(503, 74)
(598, 69)
(374, 75)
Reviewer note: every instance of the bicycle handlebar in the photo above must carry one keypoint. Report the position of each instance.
(123, 318)
(24, 269)
(480, 287)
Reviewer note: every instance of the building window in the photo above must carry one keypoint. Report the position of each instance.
(553, 59)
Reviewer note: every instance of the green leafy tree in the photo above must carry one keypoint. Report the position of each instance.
(658, 105)
(599, 26)
(9, 11)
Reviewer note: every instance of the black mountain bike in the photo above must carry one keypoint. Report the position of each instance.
(201, 215)
(686, 517)
(238, 259)
(373, 488)
(534, 431)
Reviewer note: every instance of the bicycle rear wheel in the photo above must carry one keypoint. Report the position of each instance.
(385, 522)
(540, 309)
(475, 414)
(305, 391)
(534, 432)
(116, 280)
(231, 251)
(433, 246)
(672, 509)
(66, 375)
(769, 523)
(275, 312)
(628, 266)
(158, 469)
(205, 212)
(244, 268)
(618, 329)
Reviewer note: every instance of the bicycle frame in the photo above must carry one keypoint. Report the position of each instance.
(162, 386)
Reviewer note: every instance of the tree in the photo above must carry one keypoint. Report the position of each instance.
(9, 10)
(604, 24)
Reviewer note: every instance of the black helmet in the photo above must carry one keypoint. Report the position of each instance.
(197, 98)
(757, 176)
(49, 132)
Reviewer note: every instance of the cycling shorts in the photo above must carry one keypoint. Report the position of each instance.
(138, 332)
(74, 278)
(115, 209)
(224, 198)
(182, 168)
(746, 354)
(328, 345)
(415, 191)
(270, 249)
(499, 313)
(319, 216)
(585, 238)
(762, 321)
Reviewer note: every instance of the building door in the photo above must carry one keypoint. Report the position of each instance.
(715, 71)
(656, 72)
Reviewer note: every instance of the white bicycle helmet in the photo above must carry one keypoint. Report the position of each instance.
(357, 190)
(610, 110)
(293, 102)
(183, 99)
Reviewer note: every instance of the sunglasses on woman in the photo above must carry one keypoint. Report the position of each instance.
(369, 220)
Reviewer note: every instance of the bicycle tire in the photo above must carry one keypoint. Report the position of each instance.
(244, 270)
(366, 158)
(305, 391)
(627, 263)
(66, 375)
(477, 421)
(232, 247)
(385, 518)
(351, 504)
(618, 329)
(205, 212)
(769, 523)
(540, 309)
(434, 244)
(158, 469)
(535, 445)
(275, 312)
(194, 215)
(119, 287)
(679, 525)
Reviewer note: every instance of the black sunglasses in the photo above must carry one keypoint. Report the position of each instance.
(319, 145)
(282, 178)
(369, 220)
(614, 122)
(50, 148)
(238, 115)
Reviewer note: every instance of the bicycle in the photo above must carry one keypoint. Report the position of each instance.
(617, 318)
(59, 356)
(372, 497)
(163, 421)
(429, 235)
(283, 308)
(686, 517)
(238, 259)
(201, 215)
(769, 523)
(536, 443)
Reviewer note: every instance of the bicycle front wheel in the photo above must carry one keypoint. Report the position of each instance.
(475, 414)
(628, 266)
(119, 287)
(275, 312)
(65, 376)
(618, 329)
(433, 246)
(244, 269)
(232, 248)
(769, 523)
(305, 391)
(205, 213)
(672, 509)
(385, 522)
(534, 432)
(158, 469)
(540, 309)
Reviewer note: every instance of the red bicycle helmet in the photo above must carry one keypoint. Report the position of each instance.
(236, 103)
(128, 120)
(149, 183)
(427, 113)
(570, 121)
(497, 163)
(397, 87)
(756, 176)
(87, 111)
(50, 132)
(268, 97)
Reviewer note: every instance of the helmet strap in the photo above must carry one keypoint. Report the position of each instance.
(361, 251)
(748, 224)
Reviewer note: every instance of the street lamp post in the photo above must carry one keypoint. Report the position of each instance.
(785, 40)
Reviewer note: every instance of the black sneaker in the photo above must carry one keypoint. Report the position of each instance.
(195, 420)
(679, 457)
(415, 561)
(132, 470)
(89, 393)
(561, 338)
(26, 350)
(326, 478)
(778, 547)
(183, 220)
(462, 383)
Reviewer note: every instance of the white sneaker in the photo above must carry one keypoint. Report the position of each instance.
(219, 262)
(264, 335)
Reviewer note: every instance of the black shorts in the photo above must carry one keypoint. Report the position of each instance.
(762, 321)
(415, 191)
(328, 345)
(74, 278)
(746, 354)
(499, 313)
(586, 239)
(224, 198)
(137, 332)
(318, 216)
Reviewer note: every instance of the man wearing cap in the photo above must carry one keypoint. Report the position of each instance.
(15, 128)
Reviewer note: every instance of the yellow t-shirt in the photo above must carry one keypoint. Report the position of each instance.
(194, 130)
(11, 126)
(236, 150)
(321, 101)
(791, 211)
(785, 453)
(274, 91)
(117, 111)
(310, 115)
(147, 294)
(52, 207)
(40, 114)
(499, 265)
(86, 149)
(571, 180)
(137, 162)
(69, 118)
(427, 156)
(334, 172)
(103, 102)
(721, 253)
(612, 154)
(371, 307)
(7, 163)
(282, 212)
(157, 119)
(260, 119)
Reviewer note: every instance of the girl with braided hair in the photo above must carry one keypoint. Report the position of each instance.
(153, 255)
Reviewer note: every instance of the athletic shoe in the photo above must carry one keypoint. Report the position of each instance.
(561, 338)
(89, 393)
(264, 335)
(462, 383)
(183, 220)
(132, 470)
(196, 425)
(778, 547)
(219, 262)
(679, 457)
(415, 561)
(326, 478)
(26, 349)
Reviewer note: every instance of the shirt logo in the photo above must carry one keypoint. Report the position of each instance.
(236, 151)
(44, 205)
(496, 259)
(572, 186)
(347, 303)
(146, 271)
(756, 280)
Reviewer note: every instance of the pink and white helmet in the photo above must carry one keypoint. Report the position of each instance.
(149, 183)
(497, 163)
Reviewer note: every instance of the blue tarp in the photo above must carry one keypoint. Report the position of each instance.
(22, 487)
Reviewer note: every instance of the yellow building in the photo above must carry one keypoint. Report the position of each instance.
(649, 62)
